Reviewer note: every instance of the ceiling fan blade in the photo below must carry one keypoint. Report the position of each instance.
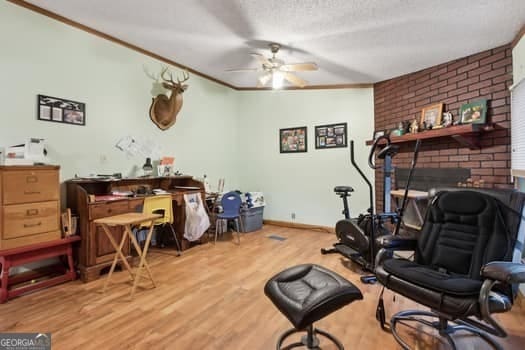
(263, 79)
(243, 70)
(299, 67)
(261, 58)
(294, 79)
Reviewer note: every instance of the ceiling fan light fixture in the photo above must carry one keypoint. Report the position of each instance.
(277, 80)
(277, 71)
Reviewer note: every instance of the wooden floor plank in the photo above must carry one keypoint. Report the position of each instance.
(212, 298)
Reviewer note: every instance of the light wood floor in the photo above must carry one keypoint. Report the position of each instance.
(212, 298)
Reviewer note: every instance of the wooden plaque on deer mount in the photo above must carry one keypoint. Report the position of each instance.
(163, 111)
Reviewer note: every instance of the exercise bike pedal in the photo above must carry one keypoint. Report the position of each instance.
(325, 251)
(371, 279)
(347, 251)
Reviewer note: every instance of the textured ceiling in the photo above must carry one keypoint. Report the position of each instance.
(352, 41)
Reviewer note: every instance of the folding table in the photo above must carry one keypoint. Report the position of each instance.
(126, 221)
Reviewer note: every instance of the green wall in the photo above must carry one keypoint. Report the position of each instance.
(302, 183)
(42, 56)
(219, 132)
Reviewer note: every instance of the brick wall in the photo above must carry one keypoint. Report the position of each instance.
(487, 74)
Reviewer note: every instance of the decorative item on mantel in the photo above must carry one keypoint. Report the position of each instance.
(448, 119)
(431, 116)
(474, 112)
(163, 111)
(414, 126)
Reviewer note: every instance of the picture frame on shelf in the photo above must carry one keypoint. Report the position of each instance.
(331, 136)
(474, 112)
(431, 116)
(293, 140)
(59, 110)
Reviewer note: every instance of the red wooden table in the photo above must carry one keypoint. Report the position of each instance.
(31, 253)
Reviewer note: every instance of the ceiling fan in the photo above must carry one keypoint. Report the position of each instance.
(276, 70)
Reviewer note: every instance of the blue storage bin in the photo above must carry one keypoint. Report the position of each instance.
(252, 219)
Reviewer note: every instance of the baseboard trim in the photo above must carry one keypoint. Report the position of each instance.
(299, 225)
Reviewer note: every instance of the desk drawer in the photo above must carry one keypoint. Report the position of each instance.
(136, 204)
(25, 186)
(101, 210)
(22, 220)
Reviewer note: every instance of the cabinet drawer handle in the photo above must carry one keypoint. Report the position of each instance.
(31, 179)
(31, 212)
(33, 225)
(31, 192)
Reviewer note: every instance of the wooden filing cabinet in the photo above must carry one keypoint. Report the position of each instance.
(29, 205)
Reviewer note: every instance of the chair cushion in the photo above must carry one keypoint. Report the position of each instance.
(227, 215)
(454, 305)
(307, 293)
(427, 277)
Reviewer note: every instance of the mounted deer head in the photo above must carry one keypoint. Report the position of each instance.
(163, 111)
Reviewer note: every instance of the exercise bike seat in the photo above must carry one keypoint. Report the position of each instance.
(343, 190)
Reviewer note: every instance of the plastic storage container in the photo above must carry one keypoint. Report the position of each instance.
(252, 219)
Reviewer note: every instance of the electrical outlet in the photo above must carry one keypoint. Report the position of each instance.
(293, 216)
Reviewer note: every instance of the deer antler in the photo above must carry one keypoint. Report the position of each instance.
(170, 80)
(185, 76)
(149, 74)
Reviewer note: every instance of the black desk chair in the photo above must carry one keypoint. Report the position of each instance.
(466, 264)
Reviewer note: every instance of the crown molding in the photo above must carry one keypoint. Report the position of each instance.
(518, 37)
(130, 46)
(311, 87)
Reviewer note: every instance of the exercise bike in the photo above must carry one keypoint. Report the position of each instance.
(357, 237)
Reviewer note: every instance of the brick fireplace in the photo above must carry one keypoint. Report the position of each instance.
(487, 74)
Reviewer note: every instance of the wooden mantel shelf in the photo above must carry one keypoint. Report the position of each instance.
(466, 134)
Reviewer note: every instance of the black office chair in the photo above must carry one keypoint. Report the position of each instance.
(466, 263)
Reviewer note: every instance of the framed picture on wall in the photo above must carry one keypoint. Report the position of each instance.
(474, 112)
(59, 110)
(331, 136)
(293, 140)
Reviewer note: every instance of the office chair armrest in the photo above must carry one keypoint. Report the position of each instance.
(503, 271)
(397, 242)
(389, 243)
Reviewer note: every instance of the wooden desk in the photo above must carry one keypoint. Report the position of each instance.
(96, 252)
(414, 199)
(30, 253)
(126, 221)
